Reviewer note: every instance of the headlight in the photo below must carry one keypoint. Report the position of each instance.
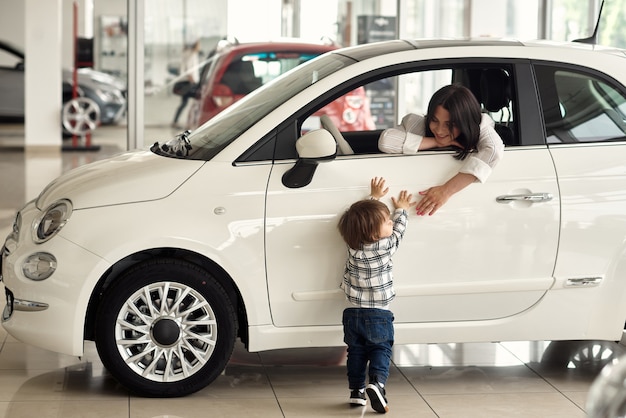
(109, 96)
(51, 220)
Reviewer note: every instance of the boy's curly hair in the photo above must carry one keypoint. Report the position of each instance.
(360, 224)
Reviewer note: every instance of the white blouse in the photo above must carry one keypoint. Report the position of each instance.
(406, 139)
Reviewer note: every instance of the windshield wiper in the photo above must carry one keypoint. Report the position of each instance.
(179, 146)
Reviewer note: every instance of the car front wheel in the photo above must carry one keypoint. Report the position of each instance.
(166, 328)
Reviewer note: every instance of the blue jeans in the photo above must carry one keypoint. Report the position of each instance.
(368, 333)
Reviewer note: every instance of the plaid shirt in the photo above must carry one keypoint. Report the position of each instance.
(367, 280)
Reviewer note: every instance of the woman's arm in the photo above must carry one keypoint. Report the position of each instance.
(488, 154)
(408, 139)
(435, 197)
(477, 167)
(405, 138)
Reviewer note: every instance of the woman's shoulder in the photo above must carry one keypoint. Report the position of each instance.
(486, 120)
(412, 118)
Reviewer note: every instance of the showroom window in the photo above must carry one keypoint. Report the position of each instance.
(170, 24)
(575, 19)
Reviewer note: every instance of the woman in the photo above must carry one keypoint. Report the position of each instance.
(453, 119)
(191, 69)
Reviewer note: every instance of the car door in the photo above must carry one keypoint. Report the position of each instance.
(475, 259)
(488, 253)
(585, 114)
(11, 86)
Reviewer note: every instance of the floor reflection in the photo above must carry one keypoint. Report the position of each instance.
(554, 376)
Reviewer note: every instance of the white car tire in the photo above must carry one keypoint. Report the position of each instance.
(166, 328)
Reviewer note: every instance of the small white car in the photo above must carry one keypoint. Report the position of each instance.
(165, 256)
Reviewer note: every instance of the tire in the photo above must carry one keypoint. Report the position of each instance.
(165, 350)
(80, 116)
(584, 355)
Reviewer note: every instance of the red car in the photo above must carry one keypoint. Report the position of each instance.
(236, 69)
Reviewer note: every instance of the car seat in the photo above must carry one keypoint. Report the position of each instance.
(495, 95)
(240, 77)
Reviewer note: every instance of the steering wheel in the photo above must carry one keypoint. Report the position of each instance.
(342, 144)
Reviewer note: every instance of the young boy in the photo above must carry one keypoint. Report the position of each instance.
(372, 237)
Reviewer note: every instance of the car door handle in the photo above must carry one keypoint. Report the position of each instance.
(533, 197)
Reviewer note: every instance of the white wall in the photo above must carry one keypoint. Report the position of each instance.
(255, 20)
(492, 18)
(42, 105)
(12, 22)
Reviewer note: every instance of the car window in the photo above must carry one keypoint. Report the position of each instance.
(384, 102)
(269, 65)
(580, 107)
(248, 72)
(217, 133)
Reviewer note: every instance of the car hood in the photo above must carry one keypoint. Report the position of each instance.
(134, 176)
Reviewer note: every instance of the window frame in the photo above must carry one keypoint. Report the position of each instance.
(529, 128)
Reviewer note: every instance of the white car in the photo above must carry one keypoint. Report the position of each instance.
(165, 256)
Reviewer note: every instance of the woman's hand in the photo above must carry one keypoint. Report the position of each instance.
(377, 188)
(432, 199)
(437, 196)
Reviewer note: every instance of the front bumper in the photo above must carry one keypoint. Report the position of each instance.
(13, 304)
(49, 313)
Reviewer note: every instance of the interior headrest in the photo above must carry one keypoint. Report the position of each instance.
(495, 89)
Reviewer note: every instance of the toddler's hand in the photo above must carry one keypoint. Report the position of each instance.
(377, 188)
(404, 200)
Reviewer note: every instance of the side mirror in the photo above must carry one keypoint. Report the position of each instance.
(313, 147)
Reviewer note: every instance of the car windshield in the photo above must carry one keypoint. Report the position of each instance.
(209, 139)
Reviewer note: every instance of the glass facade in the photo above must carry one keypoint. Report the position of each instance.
(171, 25)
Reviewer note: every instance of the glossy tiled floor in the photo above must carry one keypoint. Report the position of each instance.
(520, 379)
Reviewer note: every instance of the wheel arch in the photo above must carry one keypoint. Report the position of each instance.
(118, 269)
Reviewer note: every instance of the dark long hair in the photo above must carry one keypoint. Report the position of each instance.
(465, 115)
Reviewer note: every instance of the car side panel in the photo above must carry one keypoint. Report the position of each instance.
(11, 92)
(592, 250)
(475, 259)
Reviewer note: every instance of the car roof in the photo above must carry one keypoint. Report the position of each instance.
(279, 46)
(13, 49)
(367, 51)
